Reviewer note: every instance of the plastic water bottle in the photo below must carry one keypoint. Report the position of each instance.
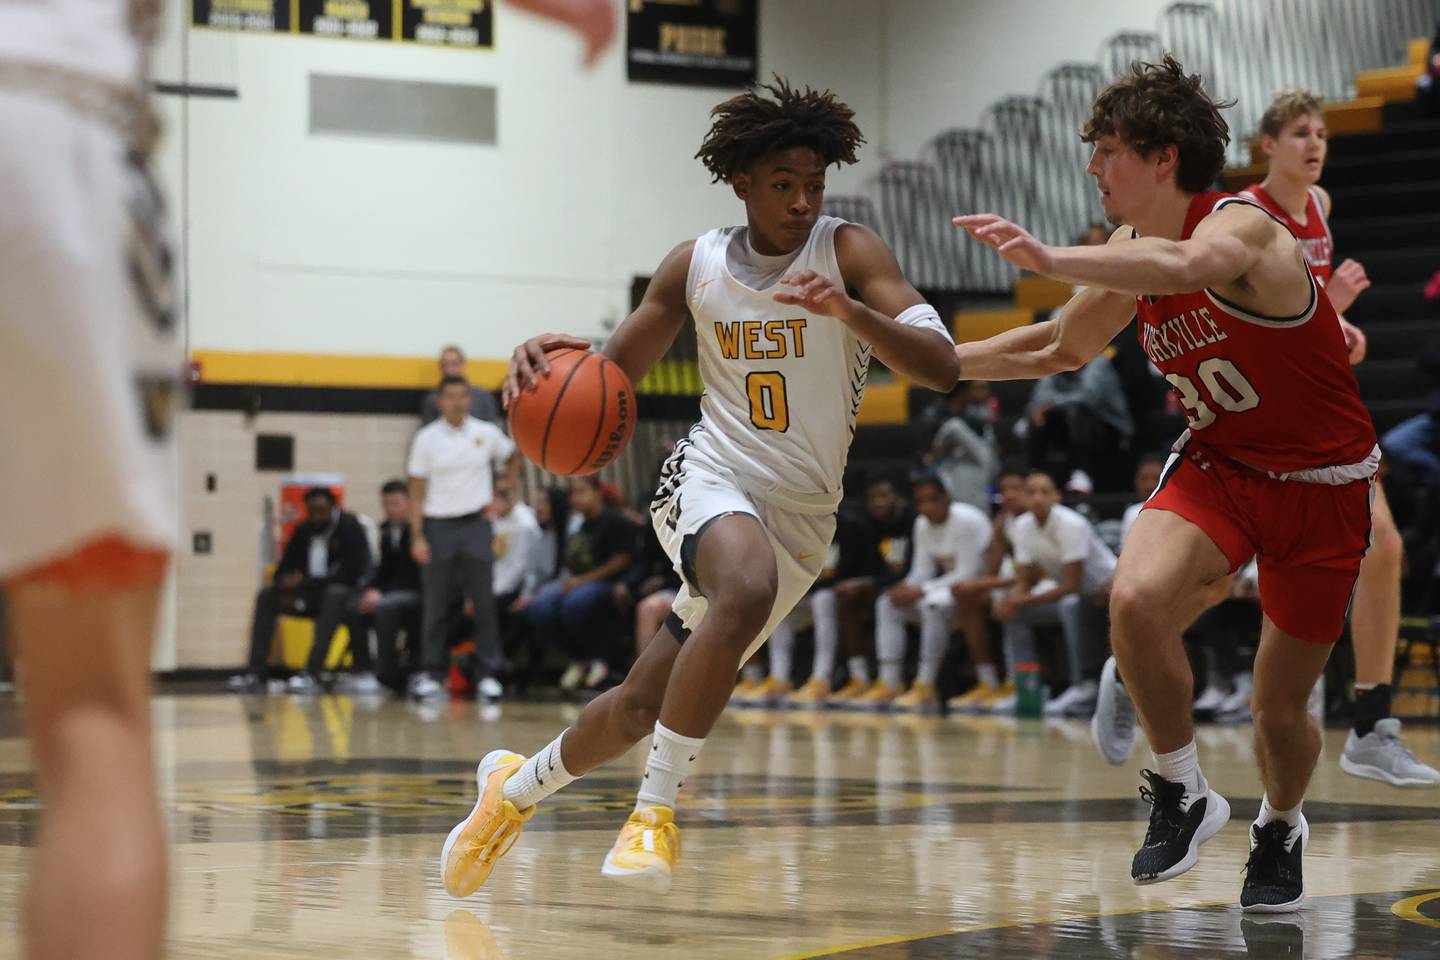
(1029, 693)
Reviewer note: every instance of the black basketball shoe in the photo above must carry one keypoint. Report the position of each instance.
(1273, 879)
(1179, 823)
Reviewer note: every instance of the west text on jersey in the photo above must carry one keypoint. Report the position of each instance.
(761, 339)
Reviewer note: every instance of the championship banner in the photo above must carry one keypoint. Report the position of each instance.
(710, 43)
(247, 16)
(465, 24)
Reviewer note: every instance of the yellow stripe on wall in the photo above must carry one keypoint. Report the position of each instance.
(337, 370)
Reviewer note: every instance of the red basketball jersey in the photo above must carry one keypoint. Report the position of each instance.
(1274, 393)
(1314, 234)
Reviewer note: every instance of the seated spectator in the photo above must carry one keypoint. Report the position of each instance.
(1147, 478)
(648, 588)
(1062, 576)
(947, 546)
(1078, 421)
(568, 613)
(963, 453)
(974, 598)
(483, 405)
(390, 601)
(874, 554)
(319, 577)
(516, 541)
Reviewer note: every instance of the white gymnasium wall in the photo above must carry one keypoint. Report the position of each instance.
(325, 244)
(947, 60)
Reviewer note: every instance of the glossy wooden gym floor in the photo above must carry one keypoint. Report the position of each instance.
(312, 828)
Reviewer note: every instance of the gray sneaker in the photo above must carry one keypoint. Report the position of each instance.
(1380, 755)
(359, 685)
(1113, 727)
(302, 685)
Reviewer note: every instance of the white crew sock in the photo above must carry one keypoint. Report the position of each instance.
(1183, 766)
(827, 634)
(859, 669)
(753, 670)
(987, 674)
(538, 777)
(666, 767)
(782, 652)
(934, 642)
(892, 674)
(1269, 814)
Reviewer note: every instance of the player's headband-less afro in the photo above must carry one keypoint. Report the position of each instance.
(751, 126)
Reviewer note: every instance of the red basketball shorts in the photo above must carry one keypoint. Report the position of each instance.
(1308, 538)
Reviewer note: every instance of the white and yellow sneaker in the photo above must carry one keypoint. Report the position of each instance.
(647, 850)
(974, 701)
(920, 698)
(811, 696)
(479, 841)
(846, 695)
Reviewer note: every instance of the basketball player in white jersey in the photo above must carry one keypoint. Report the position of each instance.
(1294, 138)
(746, 505)
(89, 371)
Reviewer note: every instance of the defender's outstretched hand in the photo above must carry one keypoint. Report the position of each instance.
(1010, 240)
(528, 362)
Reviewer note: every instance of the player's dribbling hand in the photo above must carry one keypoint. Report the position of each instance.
(1347, 282)
(528, 363)
(1010, 240)
(816, 294)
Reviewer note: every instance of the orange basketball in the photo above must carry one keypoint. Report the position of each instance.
(579, 416)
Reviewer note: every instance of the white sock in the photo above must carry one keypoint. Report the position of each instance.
(827, 634)
(1183, 766)
(892, 673)
(782, 650)
(987, 674)
(538, 777)
(753, 671)
(1269, 814)
(859, 669)
(666, 767)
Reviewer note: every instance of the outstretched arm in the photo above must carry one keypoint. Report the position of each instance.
(1224, 247)
(922, 354)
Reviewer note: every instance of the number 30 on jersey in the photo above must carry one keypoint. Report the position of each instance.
(769, 407)
(1227, 388)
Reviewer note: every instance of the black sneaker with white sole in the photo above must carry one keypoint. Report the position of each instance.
(1274, 882)
(1179, 823)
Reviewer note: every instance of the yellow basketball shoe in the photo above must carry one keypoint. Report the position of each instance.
(920, 698)
(811, 696)
(846, 694)
(744, 690)
(479, 841)
(647, 850)
(770, 692)
(879, 697)
(974, 700)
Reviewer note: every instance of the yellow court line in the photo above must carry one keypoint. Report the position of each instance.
(1412, 903)
(1409, 909)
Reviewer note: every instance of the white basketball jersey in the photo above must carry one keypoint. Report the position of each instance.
(782, 385)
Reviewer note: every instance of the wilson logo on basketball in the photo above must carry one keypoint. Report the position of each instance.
(618, 436)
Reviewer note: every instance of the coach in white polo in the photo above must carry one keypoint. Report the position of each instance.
(453, 462)
(1062, 571)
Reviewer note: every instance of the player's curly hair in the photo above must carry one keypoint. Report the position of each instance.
(751, 126)
(1157, 104)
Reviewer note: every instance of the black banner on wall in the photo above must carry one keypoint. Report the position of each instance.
(448, 23)
(348, 19)
(249, 16)
(711, 43)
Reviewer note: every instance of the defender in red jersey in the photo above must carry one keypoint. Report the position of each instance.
(1278, 461)
(1293, 137)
